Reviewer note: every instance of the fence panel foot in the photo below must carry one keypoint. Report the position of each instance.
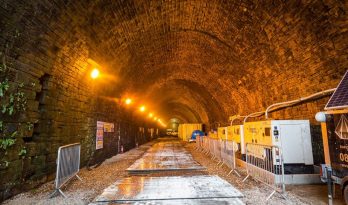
(245, 178)
(237, 173)
(56, 193)
(77, 176)
(273, 192)
(62, 193)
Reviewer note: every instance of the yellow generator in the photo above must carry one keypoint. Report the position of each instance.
(213, 135)
(293, 137)
(236, 133)
(185, 130)
(222, 133)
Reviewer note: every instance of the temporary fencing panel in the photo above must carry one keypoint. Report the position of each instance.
(265, 164)
(68, 165)
(211, 146)
(228, 154)
(222, 150)
(206, 144)
(217, 149)
(199, 142)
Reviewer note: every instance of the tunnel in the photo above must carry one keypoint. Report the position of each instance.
(67, 64)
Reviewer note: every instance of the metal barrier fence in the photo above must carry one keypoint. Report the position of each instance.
(199, 143)
(217, 150)
(68, 165)
(222, 150)
(228, 155)
(265, 164)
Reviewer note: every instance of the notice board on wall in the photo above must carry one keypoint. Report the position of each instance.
(101, 128)
(109, 127)
(99, 135)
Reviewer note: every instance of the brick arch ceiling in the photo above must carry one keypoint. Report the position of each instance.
(228, 53)
(187, 92)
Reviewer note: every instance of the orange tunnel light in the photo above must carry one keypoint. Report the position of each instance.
(95, 73)
(142, 108)
(128, 101)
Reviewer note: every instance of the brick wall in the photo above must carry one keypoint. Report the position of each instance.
(50, 56)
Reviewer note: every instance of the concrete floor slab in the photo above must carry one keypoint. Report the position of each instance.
(224, 201)
(203, 189)
(165, 156)
(169, 154)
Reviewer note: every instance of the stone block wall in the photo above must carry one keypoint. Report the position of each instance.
(47, 51)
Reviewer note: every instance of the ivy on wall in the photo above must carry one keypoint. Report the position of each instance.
(13, 105)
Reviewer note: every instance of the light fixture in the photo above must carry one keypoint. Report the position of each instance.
(142, 108)
(150, 115)
(155, 118)
(320, 117)
(128, 101)
(95, 73)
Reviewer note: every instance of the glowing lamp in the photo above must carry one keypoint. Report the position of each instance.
(151, 115)
(95, 73)
(142, 108)
(128, 101)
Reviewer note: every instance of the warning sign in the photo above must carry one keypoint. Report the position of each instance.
(109, 127)
(342, 128)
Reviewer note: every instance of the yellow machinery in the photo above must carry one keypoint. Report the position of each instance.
(236, 133)
(185, 130)
(222, 133)
(213, 135)
(291, 136)
(258, 132)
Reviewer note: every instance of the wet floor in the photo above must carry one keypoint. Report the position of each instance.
(166, 189)
(169, 155)
(166, 155)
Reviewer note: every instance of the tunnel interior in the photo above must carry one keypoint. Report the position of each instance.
(196, 61)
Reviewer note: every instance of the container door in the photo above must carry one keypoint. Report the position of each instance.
(291, 143)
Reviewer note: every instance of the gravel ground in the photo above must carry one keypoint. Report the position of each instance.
(83, 192)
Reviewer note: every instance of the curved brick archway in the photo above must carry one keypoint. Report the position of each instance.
(198, 61)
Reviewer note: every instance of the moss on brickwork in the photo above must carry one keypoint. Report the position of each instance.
(198, 61)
